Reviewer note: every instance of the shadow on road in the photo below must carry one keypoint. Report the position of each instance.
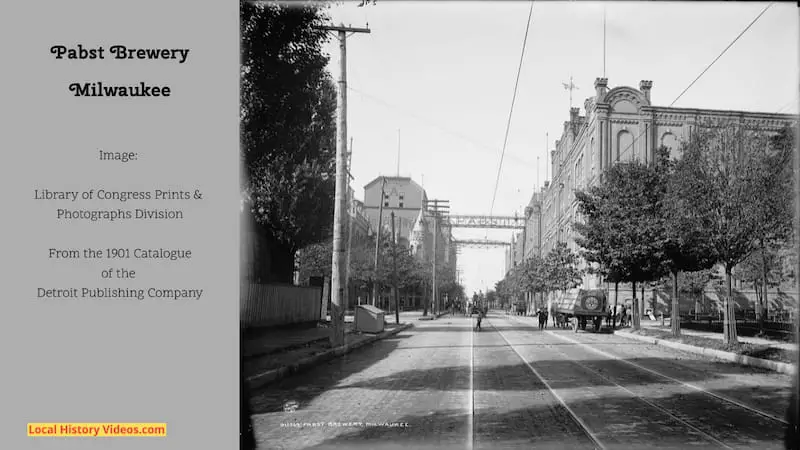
(471, 327)
(550, 426)
(518, 377)
(302, 388)
(448, 429)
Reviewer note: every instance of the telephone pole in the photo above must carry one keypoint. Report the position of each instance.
(437, 209)
(375, 286)
(338, 272)
(350, 221)
(394, 274)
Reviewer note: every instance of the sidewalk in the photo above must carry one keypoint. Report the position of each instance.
(269, 341)
(261, 369)
(389, 316)
(656, 325)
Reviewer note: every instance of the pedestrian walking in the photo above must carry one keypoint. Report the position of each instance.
(479, 318)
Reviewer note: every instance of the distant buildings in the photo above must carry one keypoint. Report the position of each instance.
(360, 221)
(413, 225)
(399, 195)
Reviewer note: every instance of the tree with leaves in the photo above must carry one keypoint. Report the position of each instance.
(777, 211)
(561, 268)
(722, 182)
(288, 110)
(533, 277)
(597, 237)
(761, 270)
(685, 246)
(623, 231)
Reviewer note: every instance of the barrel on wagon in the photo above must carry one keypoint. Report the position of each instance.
(578, 307)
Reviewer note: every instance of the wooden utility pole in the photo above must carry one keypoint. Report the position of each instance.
(350, 222)
(394, 274)
(437, 208)
(375, 287)
(338, 272)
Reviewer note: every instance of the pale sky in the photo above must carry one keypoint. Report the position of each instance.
(443, 73)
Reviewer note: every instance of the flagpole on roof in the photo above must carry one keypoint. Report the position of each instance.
(604, 41)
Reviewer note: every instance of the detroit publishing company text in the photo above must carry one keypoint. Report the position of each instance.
(121, 293)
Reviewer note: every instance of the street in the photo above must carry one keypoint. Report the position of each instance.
(442, 385)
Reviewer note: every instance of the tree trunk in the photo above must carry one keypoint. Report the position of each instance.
(425, 300)
(696, 304)
(675, 320)
(729, 319)
(640, 302)
(637, 319)
(765, 286)
(759, 304)
(655, 299)
(616, 308)
(643, 300)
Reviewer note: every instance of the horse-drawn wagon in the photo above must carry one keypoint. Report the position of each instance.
(578, 307)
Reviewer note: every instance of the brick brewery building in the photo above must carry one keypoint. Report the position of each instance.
(619, 124)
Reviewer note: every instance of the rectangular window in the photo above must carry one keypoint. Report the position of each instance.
(401, 204)
(385, 204)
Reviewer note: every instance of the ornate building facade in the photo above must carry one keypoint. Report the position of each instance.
(618, 124)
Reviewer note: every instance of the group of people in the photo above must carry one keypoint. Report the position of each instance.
(624, 316)
(542, 314)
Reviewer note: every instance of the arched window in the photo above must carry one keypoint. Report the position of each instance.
(624, 146)
(671, 142)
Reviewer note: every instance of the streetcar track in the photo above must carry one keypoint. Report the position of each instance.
(644, 400)
(667, 377)
(583, 426)
(471, 415)
(675, 380)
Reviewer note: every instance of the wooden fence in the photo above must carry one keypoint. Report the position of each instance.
(746, 324)
(268, 305)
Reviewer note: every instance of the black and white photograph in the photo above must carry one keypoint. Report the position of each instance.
(519, 225)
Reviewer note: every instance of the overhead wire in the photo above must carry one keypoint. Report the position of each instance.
(513, 100)
(706, 69)
(432, 123)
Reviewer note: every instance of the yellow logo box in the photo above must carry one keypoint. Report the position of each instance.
(114, 429)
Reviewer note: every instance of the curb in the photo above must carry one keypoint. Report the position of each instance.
(270, 376)
(777, 366)
(431, 317)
